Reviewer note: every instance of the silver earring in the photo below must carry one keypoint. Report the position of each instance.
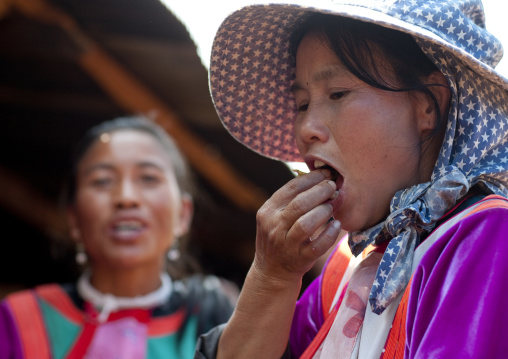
(174, 254)
(81, 257)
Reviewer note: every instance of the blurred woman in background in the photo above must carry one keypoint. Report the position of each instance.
(129, 202)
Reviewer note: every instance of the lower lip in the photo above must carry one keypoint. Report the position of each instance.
(337, 202)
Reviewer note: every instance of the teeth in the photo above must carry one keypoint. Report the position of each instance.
(318, 164)
(128, 226)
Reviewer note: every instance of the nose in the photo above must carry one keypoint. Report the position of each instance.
(127, 194)
(311, 127)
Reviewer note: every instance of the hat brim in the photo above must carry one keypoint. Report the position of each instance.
(251, 76)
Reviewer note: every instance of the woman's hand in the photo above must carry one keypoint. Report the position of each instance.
(286, 248)
(287, 245)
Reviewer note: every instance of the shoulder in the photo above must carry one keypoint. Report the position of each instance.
(491, 205)
(201, 283)
(207, 288)
(209, 298)
(470, 246)
(485, 221)
(467, 248)
(26, 295)
(482, 226)
(201, 293)
(464, 266)
(34, 302)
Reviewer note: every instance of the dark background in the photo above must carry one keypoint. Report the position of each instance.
(49, 95)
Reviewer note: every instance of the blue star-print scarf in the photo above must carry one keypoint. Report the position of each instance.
(474, 150)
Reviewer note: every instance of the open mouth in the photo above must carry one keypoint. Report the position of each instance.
(321, 165)
(127, 229)
(336, 176)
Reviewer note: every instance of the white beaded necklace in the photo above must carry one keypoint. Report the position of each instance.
(108, 303)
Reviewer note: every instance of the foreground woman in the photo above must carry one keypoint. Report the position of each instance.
(129, 204)
(397, 111)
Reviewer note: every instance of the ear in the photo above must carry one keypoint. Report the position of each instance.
(185, 215)
(439, 87)
(72, 221)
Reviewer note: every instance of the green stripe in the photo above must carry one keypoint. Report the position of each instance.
(169, 347)
(61, 332)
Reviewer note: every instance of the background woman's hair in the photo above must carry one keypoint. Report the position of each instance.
(363, 48)
(185, 264)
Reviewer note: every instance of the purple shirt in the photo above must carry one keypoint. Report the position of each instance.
(10, 347)
(455, 308)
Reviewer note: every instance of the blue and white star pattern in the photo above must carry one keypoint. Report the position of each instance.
(251, 73)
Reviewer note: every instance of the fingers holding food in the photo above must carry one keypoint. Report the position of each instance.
(287, 221)
(298, 185)
(298, 172)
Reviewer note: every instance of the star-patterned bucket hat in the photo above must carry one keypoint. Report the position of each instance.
(251, 73)
(251, 70)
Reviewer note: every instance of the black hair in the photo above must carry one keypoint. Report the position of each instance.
(357, 45)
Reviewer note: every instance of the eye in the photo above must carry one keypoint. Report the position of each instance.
(337, 95)
(101, 182)
(150, 179)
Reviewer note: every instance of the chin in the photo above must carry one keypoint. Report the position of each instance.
(351, 222)
(347, 222)
(125, 262)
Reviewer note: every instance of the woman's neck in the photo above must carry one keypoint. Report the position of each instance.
(125, 282)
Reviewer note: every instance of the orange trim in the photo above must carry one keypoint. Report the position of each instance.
(166, 325)
(30, 324)
(396, 341)
(59, 299)
(492, 201)
(337, 266)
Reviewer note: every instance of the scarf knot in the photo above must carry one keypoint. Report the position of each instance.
(413, 211)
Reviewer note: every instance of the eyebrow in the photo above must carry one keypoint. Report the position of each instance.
(110, 167)
(328, 72)
(149, 164)
(98, 166)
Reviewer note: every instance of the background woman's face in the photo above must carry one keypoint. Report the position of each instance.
(128, 206)
(371, 137)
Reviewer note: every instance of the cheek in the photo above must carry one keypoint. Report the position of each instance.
(90, 207)
(165, 207)
(379, 127)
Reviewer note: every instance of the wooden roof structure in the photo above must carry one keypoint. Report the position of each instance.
(66, 65)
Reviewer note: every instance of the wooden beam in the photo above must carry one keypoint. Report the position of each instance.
(21, 199)
(55, 100)
(132, 95)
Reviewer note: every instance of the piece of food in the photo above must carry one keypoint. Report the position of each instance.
(335, 174)
(298, 172)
